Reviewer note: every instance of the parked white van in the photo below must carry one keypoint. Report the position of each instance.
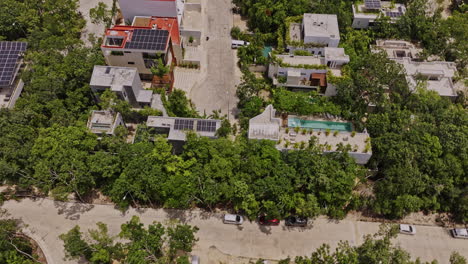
(233, 219)
(238, 43)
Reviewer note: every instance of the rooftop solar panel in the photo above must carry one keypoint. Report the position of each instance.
(393, 14)
(183, 124)
(10, 54)
(373, 4)
(206, 126)
(148, 39)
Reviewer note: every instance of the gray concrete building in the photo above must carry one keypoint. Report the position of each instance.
(124, 81)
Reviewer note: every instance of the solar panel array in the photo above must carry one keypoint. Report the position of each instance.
(372, 4)
(9, 57)
(148, 39)
(183, 124)
(206, 126)
(393, 14)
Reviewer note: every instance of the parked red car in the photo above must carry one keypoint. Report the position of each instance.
(264, 221)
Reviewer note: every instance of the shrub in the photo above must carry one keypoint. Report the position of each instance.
(327, 132)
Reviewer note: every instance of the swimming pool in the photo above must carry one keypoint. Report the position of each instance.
(321, 125)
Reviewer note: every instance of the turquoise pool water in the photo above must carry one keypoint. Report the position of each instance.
(266, 50)
(323, 125)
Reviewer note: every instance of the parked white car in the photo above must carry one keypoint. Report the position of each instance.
(195, 260)
(233, 219)
(238, 43)
(408, 229)
(459, 233)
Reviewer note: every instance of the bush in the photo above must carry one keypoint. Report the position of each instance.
(302, 53)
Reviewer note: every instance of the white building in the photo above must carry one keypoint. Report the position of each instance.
(161, 8)
(437, 75)
(104, 122)
(330, 136)
(366, 13)
(316, 32)
(308, 72)
(265, 125)
(124, 81)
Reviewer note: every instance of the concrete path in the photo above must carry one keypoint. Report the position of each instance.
(218, 88)
(47, 219)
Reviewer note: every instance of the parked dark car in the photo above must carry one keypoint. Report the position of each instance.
(263, 220)
(296, 221)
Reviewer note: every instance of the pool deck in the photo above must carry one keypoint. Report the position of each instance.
(329, 142)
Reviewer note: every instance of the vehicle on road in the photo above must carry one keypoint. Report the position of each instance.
(408, 229)
(195, 260)
(459, 233)
(263, 220)
(233, 219)
(296, 221)
(238, 43)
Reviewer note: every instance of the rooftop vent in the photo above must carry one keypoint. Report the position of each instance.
(108, 69)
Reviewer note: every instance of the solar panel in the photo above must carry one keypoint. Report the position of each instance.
(393, 14)
(206, 126)
(183, 124)
(10, 53)
(148, 39)
(372, 4)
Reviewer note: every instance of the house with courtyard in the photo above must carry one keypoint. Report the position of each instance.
(308, 73)
(436, 75)
(297, 132)
(366, 13)
(11, 62)
(104, 122)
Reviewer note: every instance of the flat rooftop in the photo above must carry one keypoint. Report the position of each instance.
(136, 38)
(321, 25)
(301, 60)
(178, 126)
(387, 8)
(295, 32)
(335, 54)
(397, 48)
(102, 121)
(166, 23)
(265, 125)
(330, 142)
(114, 77)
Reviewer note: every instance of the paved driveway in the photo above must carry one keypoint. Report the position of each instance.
(47, 219)
(218, 88)
(97, 30)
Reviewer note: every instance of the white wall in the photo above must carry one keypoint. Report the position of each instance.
(132, 8)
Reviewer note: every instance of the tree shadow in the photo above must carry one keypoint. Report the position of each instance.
(264, 229)
(72, 211)
(181, 215)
